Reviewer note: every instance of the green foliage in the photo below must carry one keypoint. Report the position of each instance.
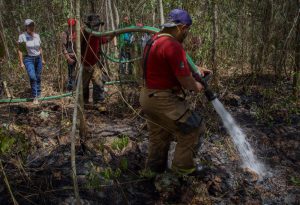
(295, 181)
(98, 176)
(110, 174)
(274, 105)
(147, 173)
(6, 143)
(101, 147)
(93, 179)
(124, 164)
(120, 143)
(262, 114)
(13, 144)
(22, 48)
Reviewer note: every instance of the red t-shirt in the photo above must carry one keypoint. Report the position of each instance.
(91, 55)
(166, 61)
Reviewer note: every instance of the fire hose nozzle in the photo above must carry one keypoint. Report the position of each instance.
(210, 95)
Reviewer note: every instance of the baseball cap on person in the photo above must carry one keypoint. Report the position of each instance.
(71, 22)
(177, 17)
(28, 22)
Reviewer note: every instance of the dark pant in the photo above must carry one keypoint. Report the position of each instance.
(71, 76)
(93, 74)
(34, 67)
(125, 68)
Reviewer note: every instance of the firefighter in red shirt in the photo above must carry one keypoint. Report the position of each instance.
(91, 58)
(166, 73)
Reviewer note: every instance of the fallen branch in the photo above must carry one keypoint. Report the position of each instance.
(6, 90)
(7, 184)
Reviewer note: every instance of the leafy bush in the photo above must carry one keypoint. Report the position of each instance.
(13, 144)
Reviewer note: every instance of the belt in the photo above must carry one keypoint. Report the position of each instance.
(162, 93)
(31, 56)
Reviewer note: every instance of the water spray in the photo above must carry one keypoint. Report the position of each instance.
(239, 138)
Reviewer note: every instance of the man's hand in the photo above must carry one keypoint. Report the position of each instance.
(43, 62)
(111, 37)
(70, 61)
(22, 66)
(204, 71)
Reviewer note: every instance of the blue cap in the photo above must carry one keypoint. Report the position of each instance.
(177, 17)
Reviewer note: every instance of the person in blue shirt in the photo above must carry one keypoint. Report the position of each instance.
(125, 46)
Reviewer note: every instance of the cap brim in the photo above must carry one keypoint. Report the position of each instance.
(169, 25)
(29, 23)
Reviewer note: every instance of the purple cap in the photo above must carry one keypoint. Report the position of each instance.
(177, 17)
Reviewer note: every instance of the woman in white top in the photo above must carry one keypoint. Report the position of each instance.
(30, 57)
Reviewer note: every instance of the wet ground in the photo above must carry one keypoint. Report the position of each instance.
(110, 162)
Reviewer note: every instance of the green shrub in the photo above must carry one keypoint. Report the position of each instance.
(120, 143)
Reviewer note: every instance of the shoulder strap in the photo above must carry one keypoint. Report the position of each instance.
(147, 52)
(146, 55)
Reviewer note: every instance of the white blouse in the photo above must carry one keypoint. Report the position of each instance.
(33, 43)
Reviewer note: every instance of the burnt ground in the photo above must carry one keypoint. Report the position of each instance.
(110, 162)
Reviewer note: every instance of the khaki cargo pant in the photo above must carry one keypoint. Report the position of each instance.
(162, 110)
(93, 73)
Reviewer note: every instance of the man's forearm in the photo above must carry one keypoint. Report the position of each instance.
(189, 83)
(67, 56)
(20, 54)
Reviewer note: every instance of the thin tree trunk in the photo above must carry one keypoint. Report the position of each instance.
(265, 33)
(110, 12)
(296, 77)
(214, 40)
(7, 184)
(116, 13)
(78, 102)
(3, 37)
(294, 26)
(107, 15)
(253, 47)
(154, 15)
(242, 31)
(161, 12)
(92, 6)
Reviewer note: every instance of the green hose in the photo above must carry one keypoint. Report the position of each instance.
(18, 100)
(55, 97)
(143, 29)
(115, 60)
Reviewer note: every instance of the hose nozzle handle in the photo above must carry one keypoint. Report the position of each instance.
(210, 95)
(202, 79)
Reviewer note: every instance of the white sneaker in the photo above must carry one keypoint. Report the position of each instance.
(35, 101)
